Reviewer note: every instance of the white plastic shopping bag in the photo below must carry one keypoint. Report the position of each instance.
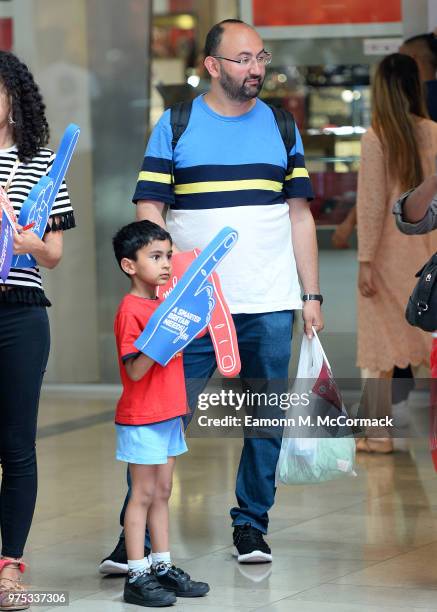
(314, 447)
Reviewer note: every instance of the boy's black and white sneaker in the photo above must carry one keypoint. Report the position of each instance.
(116, 563)
(146, 591)
(250, 546)
(176, 580)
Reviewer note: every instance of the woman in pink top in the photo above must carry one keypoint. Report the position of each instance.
(398, 151)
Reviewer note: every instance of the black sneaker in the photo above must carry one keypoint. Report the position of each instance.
(250, 546)
(146, 591)
(116, 563)
(176, 580)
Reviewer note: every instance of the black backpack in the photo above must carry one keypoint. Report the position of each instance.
(422, 305)
(180, 116)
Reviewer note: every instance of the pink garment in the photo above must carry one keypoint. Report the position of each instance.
(385, 339)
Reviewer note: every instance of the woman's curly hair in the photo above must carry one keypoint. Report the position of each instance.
(31, 130)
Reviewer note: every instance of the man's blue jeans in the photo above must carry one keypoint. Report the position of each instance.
(264, 342)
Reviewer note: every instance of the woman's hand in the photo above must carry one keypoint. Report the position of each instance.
(340, 238)
(47, 252)
(27, 242)
(366, 283)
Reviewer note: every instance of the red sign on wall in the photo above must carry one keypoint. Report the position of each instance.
(181, 6)
(325, 12)
(6, 34)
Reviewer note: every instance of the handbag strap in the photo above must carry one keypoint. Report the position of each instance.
(317, 339)
(425, 287)
(11, 175)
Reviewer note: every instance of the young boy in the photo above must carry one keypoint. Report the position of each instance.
(148, 421)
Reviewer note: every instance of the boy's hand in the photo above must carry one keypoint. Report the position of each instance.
(139, 366)
(187, 310)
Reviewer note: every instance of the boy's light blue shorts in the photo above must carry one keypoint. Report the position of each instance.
(150, 444)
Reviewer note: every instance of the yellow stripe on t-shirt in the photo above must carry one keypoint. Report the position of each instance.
(155, 177)
(298, 173)
(239, 185)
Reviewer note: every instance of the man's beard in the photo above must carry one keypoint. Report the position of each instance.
(239, 92)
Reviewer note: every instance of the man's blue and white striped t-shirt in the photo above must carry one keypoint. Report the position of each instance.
(232, 171)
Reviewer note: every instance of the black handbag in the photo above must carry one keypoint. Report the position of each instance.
(422, 305)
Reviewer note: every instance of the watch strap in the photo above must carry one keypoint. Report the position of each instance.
(313, 296)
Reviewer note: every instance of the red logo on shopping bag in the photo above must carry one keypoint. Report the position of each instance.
(326, 387)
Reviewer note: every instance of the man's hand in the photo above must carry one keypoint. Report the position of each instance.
(366, 283)
(312, 316)
(151, 210)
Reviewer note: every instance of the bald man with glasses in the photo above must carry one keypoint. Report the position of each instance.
(230, 168)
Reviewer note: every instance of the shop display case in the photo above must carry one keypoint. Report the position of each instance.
(331, 105)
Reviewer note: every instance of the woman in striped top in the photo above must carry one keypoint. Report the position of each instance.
(24, 327)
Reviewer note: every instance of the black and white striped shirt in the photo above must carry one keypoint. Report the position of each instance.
(26, 177)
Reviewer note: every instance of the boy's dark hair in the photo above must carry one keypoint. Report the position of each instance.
(134, 236)
(214, 36)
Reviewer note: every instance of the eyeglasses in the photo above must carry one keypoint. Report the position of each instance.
(245, 60)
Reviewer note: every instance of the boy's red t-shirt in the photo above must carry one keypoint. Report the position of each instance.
(160, 395)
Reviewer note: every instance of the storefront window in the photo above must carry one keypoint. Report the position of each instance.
(328, 96)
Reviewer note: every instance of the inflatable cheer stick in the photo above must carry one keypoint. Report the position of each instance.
(222, 331)
(180, 262)
(221, 327)
(7, 231)
(38, 205)
(187, 310)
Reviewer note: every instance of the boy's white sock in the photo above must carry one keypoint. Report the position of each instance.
(137, 567)
(161, 557)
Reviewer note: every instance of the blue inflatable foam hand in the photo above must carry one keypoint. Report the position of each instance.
(188, 308)
(178, 326)
(35, 211)
(38, 205)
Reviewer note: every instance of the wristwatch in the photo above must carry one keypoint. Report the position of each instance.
(313, 296)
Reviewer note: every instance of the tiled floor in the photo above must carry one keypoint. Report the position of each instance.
(363, 544)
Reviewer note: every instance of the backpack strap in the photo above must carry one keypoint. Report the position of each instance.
(179, 118)
(286, 126)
